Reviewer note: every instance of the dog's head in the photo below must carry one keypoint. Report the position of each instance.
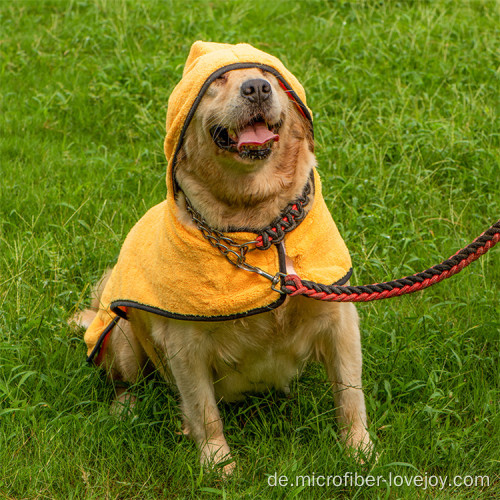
(245, 142)
(247, 145)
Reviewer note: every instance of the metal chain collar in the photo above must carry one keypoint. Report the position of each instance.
(234, 252)
(273, 234)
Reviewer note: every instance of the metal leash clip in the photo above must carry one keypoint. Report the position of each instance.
(273, 279)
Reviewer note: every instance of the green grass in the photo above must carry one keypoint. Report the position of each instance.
(406, 103)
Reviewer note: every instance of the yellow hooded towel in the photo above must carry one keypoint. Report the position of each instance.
(169, 269)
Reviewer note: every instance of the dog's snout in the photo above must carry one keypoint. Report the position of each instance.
(256, 90)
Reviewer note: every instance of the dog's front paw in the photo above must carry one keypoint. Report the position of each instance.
(358, 444)
(215, 454)
(124, 403)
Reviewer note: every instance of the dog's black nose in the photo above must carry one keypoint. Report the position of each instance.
(256, 90)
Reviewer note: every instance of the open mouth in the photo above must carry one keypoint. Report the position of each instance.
(253, 141)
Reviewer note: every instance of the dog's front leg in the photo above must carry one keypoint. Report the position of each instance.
(340, 352)
(202, 420)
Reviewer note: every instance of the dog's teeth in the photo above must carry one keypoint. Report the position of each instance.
(257, 147)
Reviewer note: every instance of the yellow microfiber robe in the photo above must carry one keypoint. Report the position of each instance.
(169, 269)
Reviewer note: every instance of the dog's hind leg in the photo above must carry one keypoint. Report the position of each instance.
(124, 359)
(124, 362)
(340, 352)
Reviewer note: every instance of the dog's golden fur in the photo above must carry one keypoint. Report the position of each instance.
(212, 361)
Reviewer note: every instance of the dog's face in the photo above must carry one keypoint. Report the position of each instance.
(243, 117)
(242, 113)
(247, 146)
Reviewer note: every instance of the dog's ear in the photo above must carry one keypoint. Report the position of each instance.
(302, 127)
(181, 155)
(309, 133)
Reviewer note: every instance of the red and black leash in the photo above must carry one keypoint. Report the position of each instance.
(293, 285)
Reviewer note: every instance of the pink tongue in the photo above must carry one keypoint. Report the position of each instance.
(256, 134)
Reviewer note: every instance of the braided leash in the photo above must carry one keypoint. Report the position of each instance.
(293, 285)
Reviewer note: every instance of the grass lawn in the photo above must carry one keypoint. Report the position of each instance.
(405, 98)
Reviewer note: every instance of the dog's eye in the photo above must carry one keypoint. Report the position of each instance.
(221, 78)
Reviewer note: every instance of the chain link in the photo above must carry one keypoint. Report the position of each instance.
(218, 240)
(234, 252)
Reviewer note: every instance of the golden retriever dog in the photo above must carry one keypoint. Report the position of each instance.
(236, 184)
